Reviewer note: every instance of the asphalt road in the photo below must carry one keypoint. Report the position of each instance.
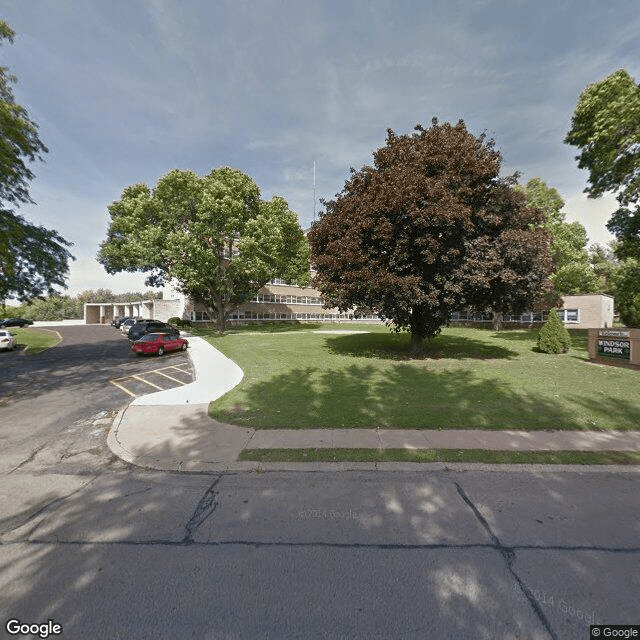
(111, 551)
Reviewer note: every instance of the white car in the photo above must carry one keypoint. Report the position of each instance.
(7, 341)
(127, 324)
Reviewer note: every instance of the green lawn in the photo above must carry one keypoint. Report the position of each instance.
(470, 378)
(441, 455)
(34, 340)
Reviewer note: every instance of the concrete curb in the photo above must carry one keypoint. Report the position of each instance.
(112, 439)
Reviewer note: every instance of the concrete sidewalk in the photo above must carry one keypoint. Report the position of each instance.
(171, 430)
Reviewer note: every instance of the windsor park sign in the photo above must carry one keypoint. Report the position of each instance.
(615, 346)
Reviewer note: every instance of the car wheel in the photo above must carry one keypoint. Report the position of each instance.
(184, 346)
(160, 351)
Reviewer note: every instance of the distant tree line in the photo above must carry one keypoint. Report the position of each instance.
(59, 307)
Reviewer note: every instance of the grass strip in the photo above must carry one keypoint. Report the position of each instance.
(441, 455)
(34, 341)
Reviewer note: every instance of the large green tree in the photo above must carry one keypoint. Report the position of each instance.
(33, 260)
(573, 272)
(543, 197)
(606, 128)
(626, 290)
(213, 235)
(431, 228)
(604, 263)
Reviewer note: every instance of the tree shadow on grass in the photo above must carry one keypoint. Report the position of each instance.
(403, 397)
(396, 346)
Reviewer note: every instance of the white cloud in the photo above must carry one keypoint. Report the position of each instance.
(86, 273)
(592, 214)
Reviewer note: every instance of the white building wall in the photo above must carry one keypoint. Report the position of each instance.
(595, 310)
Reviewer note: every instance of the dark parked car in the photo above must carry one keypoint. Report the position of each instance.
(15, 322)
(159, 343)
(150, 326)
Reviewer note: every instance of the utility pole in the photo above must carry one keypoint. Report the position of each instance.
(314, 190)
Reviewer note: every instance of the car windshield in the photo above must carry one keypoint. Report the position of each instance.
(4, 334)
(149, 337)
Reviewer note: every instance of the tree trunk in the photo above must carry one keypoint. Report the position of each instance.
(417, 344)
(417, 332)
(217, 311)
(497, 320)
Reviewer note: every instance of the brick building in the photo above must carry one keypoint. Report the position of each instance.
(279, 301)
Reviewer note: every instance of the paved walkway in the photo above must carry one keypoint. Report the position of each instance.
(171, 430)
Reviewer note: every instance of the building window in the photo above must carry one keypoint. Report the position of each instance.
(569, 315)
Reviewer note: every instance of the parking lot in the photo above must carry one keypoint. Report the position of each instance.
(56, 406)
(167, 377)
(92, 366)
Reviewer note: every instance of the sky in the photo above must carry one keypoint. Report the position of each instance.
(127, 90)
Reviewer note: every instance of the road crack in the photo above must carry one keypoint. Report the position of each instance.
(203, 510)
(20, 520)
(31, 458)
(509, 556)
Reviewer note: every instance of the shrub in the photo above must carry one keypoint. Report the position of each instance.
(553, 336)
(178, 322)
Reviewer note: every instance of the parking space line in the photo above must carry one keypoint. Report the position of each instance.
(170, 378)
(123, 389)
(173, 366)
(147, 382)
(179, 368)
